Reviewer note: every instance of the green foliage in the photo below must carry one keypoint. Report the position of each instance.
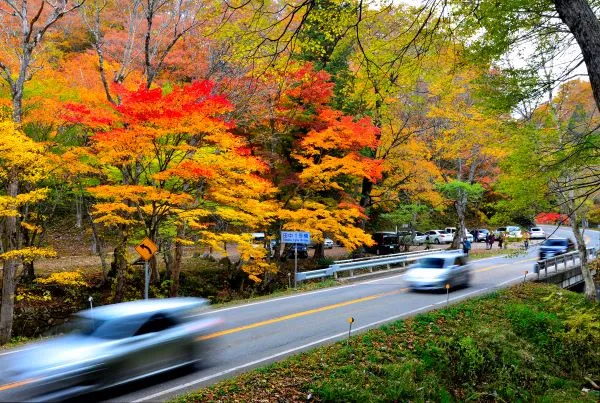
(533, 325)
(454, 190)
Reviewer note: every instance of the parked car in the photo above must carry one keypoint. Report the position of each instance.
(411, 237)
(556, 246)
(385, 243)
(258, 239)
(107, 346)
(452, 230)
(419, 238)
(438, 236)
(289, 250)
(328, 243)
(511, 231)
(435, 271)
(480, 235)
(537, 233)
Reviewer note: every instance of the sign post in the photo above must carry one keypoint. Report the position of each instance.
(295, 263)
(146, 249)
(295, 237)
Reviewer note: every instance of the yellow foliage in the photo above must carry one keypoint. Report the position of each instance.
(28, 296)
(28, 254)
(64, 278)
(20, 157)
(322, 220)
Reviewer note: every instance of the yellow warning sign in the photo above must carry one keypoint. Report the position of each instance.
(146, 249)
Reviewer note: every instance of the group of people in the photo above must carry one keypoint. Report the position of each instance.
(491, 238)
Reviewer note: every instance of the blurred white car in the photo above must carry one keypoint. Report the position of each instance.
(109, 345)
(537, 233)
(435, 271)
(328, 243)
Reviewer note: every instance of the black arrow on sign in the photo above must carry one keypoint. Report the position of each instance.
(147, 248)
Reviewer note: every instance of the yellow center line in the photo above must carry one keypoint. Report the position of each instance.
(324, 308)
(502, 265)
(298, 315)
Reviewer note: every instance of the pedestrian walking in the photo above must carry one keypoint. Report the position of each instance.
(500, 240)
(487, 241)
(492, 240)
(526, 240)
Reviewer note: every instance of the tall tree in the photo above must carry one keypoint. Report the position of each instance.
(22, 166)
(25, 26)
(168, 156)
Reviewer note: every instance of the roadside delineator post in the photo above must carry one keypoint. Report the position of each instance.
(91, 300)
(447, 294)
(350, 322)
(525, 276)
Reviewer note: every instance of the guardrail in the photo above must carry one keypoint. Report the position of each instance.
(367, 263)
(387, 256)
(563, 259)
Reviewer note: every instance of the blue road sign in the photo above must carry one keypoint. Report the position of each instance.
(295, 237)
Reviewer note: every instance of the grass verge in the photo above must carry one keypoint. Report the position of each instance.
(528, 343)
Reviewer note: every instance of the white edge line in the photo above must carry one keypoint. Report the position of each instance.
(302, 347)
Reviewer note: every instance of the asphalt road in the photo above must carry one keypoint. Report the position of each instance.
(258, 333)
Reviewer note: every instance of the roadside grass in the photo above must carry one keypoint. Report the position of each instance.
(527, 343)
(485, 253)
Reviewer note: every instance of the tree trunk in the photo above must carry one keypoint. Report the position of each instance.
(585, 27)
(166, 246)
(119, 267)
(99, 243)
(78, 212)
(177, 261)
(10, 268)
(461, 207)
(319, 251)
(590, 287)
(154, 273)
(28, 274)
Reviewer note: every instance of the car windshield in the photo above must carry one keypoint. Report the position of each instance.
(431, 263)
(112, 329)
(536, 229)
(555, 242)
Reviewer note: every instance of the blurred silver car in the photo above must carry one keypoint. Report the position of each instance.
(108, 346)
(435, 271)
